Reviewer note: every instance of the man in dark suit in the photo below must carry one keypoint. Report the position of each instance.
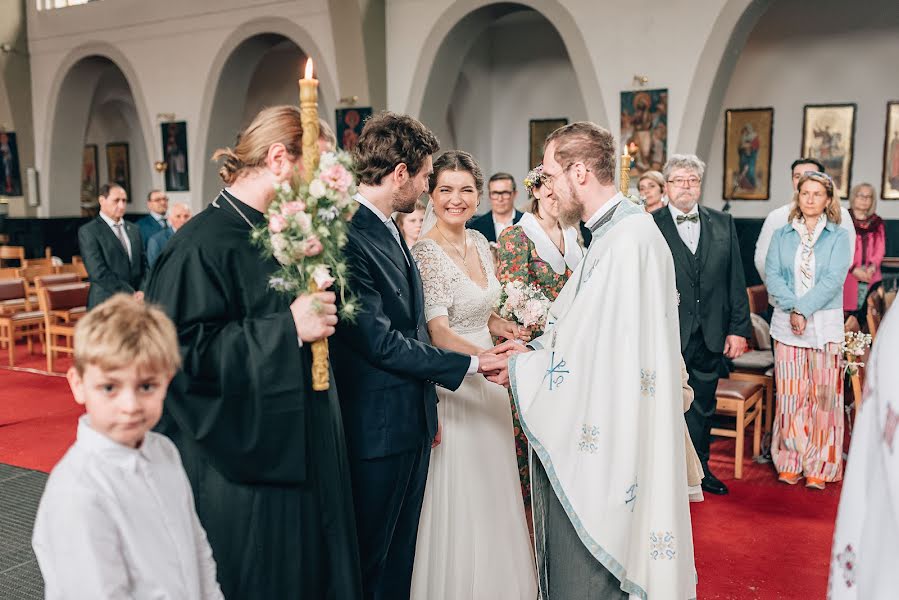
(153, 223)
(179, 216)
(112, 249)
(385, 366)
(502, 192)
(714, 307)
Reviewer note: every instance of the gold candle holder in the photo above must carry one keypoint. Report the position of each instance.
(309, 120)
(625, 179)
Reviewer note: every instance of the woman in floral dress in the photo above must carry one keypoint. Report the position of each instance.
(539, 251)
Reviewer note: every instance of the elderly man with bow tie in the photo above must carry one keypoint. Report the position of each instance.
(714, 308)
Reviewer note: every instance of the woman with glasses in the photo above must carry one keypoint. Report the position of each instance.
(870, 248)
(652, 190)
(805, 270)
(537, 251)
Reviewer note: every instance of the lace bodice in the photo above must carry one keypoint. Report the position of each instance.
(449, 291)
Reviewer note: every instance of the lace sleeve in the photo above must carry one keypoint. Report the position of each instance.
(435, 279)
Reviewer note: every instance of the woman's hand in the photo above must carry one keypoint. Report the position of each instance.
(797, 323)
(502, 328)
(862, 274)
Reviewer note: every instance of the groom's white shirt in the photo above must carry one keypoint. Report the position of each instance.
(389, 224)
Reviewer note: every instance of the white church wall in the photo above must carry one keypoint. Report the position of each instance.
(674, 44)
(172, 65)
(835, 53)
(517, 70)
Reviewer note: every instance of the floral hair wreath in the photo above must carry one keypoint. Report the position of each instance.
(534, 178)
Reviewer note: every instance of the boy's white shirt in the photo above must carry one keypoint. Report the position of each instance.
(119, 522)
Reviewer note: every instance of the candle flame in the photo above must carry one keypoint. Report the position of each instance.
(308, 74)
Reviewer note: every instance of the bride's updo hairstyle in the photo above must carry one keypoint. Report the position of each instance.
(278, 124)
(457, 160)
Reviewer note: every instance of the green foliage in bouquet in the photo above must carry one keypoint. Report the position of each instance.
(306, 230)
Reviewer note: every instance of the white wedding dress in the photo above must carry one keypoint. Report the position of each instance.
(473, 541)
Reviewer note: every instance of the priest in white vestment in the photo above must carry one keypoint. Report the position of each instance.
(865, 559)
(600, 398)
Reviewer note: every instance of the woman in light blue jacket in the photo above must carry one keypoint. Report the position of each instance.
(805, 270)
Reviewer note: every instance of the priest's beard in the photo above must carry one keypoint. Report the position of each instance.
(404, 198)
(571, 209)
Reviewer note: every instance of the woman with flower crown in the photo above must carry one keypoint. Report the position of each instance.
(537, 251)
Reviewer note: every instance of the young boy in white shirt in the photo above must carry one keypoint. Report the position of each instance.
(117, 517)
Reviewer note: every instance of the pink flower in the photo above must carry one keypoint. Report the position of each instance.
(314, 247)
(276, 223)
(292, 208)
(322, 277)
(337, 178)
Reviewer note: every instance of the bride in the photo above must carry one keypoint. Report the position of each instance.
(473, 540)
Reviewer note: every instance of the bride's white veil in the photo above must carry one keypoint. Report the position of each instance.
(430, 219)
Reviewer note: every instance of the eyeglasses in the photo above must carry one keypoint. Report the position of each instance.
(686, 182)
(504, 195)
(160, 199)
(548, 179)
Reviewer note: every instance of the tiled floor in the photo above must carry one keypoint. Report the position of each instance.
(20, 492)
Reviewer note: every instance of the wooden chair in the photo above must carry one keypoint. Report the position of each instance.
(37, 262)
(53, 299)
(757, 366)
(758, 299)
(76, 260)
(876, 310)
(68, 315)
(742, 400)
(76, 268)
(21, 323)
(9, 272)
(12, 253)
(29, 273)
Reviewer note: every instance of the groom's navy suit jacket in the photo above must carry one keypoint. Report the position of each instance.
(385, 366)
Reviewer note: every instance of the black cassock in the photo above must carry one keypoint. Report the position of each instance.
(265, 454)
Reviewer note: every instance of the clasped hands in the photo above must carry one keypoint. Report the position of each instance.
(494, 363)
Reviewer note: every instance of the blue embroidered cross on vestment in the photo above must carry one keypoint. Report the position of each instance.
(556, 371)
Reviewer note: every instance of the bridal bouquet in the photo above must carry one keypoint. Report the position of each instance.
(854, 345)
(525, 304)
(306, 230)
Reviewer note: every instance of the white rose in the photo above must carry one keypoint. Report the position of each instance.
(317, 189)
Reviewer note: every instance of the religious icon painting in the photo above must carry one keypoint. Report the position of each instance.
(174, 154)
(889, 189)
(538, 131)
(349, 125)
(644, 128)
(10, 173)
(90, 176)
(828, 135)
(747, 153)
(118, 168)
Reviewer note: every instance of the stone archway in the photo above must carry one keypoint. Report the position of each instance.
(458, 27)
(258, 65)
(494, 69)
(96, 92)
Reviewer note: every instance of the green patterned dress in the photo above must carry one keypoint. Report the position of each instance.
(518, 260)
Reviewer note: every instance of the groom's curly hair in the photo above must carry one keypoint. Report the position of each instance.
(389, 139)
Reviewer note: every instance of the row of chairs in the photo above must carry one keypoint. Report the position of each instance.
(61, 300)
(17, 254)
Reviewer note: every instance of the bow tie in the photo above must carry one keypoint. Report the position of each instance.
(693, 218)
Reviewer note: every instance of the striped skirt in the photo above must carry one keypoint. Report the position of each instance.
(808, 420)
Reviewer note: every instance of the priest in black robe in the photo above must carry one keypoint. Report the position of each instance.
(264, 453)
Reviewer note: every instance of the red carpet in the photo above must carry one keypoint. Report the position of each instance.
(37, 413)
(765, 540)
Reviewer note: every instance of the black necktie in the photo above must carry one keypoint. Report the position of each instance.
(693, 218)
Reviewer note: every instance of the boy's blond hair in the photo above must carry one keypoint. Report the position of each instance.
(123, 331)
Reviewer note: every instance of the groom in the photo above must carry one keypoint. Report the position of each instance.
(385, 366)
